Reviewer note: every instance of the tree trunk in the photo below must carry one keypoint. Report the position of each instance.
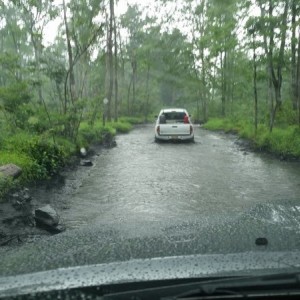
(116, 71)
(298, 77)
(110, 59)
(204, 93)
(277, 82)
(270, 96)
(122, 77)
(275, 73)
(128, 96)
(70, 56)
(134, 69)
(147, 90)
(293, 58)
(273, 116)
(255, 86)
(223, 86)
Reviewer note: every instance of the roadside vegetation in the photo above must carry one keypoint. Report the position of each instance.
(42, 156)
(282, 141)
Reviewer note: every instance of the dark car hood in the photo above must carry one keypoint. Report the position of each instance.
(178, 267)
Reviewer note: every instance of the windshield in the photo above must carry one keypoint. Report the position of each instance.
(149, 129)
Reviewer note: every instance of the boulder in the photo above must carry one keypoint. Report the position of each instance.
(46, 215)
(50, 228)
(11, 170)
(57, 229)
(86, 163)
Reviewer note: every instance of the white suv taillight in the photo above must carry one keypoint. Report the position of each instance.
(158, 130)
(191, 129)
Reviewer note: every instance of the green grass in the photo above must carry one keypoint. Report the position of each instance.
(281, 141)
(121, 127)
(89, 134)
(41, 156)
(215, 124)
(30, 169)
(94, 134)
(132, 120)
(6, 184)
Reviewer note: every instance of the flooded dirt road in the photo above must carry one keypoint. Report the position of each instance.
(144, 199)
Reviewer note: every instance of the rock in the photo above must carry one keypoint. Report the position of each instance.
(59, 228)
(47, 218)
(261, 241)
(243, 143)
(51, 228)
(46, 215)
(21, 199)
(11, 170)
(86, 163)
(110, 144)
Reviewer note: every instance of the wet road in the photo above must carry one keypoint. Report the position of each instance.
(141, 182)
(143, 199)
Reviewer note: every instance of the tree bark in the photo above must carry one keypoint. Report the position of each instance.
(147, 89)
(204, 94)
(110, 59)
(298, 77)
(70, 57)
(128, 96)
(116, 71)
(255, 86)
(122, 71)
(293, 57)
(134, 76)
(223, 84)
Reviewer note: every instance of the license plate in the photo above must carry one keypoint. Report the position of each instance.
(175, 137)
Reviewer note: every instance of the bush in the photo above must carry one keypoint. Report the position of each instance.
(49, 156)
(87, 134)
(286, 116)
(92, 134)
(121, 127)
(69, 148)
(46, 156)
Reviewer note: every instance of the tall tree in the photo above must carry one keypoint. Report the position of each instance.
(275, 59)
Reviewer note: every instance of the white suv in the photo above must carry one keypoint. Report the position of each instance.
(174, 124)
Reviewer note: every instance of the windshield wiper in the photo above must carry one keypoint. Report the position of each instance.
(262, 287)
